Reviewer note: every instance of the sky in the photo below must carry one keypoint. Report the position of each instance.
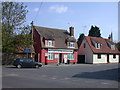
(80, 15)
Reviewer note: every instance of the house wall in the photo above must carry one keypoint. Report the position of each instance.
(43, 59)
(86, 51)
(37, 43)
(113, 60)
(75, 57)
(42, 55)
(103, 58)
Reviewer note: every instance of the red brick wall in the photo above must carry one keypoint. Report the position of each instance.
(42, 57)
(37, 43)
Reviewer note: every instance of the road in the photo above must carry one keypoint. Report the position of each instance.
(70, 76)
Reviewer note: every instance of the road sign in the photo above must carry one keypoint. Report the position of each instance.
(27, 50)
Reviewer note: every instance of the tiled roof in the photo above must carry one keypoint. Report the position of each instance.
(60, 36)
(104, 46)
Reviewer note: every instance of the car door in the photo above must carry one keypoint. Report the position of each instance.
(25, 63)
(30, 63)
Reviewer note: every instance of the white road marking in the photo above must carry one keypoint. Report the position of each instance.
(11, 75)
(66, 78)
(53, 78)
(43, 75)
(104, 83)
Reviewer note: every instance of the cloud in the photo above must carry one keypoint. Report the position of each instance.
(36, 9)
(58, 8)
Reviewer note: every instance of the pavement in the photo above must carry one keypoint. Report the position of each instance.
(62, 76)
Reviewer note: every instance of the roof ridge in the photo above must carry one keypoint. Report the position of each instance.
(97, 37)
(50, 28)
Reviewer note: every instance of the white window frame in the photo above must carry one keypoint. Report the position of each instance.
(112, 47)
(56, 56)
(71, 56)
(49, 43)
(97, 45)
(50, 56)
(71, 44)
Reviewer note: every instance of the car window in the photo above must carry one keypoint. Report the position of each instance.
(17, 60)
(25, 60)
(29, 60)
(21, 60)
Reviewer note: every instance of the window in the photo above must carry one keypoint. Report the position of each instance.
(70, 56)
(50, 56)
(46, 54)
(21, 60)
(113, 47)
(56, 56)
(99, 56)
(71, 45)
(114, 56)
(49, 43)
(84, 45)
(97, 45)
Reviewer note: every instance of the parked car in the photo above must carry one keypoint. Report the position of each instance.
(26, 63)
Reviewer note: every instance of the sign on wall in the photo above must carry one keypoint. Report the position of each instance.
(59, 51)
(27, 50)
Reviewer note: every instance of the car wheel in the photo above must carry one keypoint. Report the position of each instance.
(36, 66)
(18, 66)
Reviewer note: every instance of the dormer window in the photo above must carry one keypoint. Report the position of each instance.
(97, 45)
(71, 45)
(113, 47)
(49, 43)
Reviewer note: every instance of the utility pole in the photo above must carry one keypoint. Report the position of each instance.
(31, 37)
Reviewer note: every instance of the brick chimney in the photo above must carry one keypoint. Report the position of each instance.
(71, 31)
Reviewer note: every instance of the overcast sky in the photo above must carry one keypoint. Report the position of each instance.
(80, 15)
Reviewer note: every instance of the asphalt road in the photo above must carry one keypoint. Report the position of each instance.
(70, 76)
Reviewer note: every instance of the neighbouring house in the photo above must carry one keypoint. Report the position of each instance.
(54, 45)
(97, 50)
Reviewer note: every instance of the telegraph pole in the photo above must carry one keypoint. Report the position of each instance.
(31, 37)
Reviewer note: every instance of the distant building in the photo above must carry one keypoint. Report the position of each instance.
(97, 50)
(54, 45)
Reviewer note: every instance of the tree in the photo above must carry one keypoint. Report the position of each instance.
(13, 17)
(79, 41)
(23, 40)
(94, 32)
(118, 45)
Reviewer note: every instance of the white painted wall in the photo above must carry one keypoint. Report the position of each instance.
(86, 51)
(113, 60)
(93, 58)
(96, 60)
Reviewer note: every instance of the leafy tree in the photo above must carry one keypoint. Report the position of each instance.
(94, 32)
(13, 17)
(118, 45)
(79, 41)
(24, 39)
